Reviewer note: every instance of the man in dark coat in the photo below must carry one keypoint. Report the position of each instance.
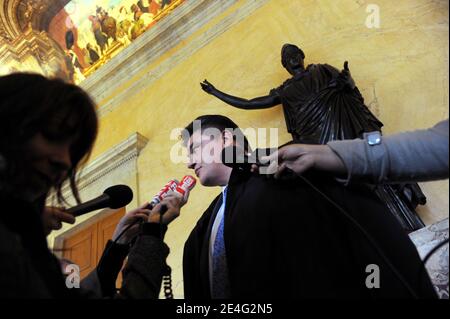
(322, 104)
(285, 239)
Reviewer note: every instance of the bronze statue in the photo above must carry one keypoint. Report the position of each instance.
(322, 104)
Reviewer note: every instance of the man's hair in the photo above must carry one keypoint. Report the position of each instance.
(219, 122)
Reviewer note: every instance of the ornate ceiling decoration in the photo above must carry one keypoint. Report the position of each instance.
(31, 40)
(24, 42)
(17, 16)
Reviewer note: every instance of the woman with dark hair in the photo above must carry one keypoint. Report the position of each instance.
(47, 130)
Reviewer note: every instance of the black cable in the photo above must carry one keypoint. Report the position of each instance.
(442, 243)
(369, 238)
(150, 206)
(126, 229)
(167, 272)
(430, 253)
(115, 241)
(167, 283)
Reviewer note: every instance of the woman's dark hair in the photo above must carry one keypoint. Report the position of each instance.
(32, 104)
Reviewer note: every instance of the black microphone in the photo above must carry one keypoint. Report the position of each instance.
(113, 197)
(236, 157)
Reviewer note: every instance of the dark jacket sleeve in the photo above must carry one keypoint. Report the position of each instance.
(142, 276)
(143, 273)
(103, 278)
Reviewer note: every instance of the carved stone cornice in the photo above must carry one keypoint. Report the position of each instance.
(112, 159)
(118, 165)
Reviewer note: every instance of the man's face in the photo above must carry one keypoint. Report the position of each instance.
(205, 149)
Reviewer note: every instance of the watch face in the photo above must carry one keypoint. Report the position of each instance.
(374, 138)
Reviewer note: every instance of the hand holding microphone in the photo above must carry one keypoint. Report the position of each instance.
(128, 226)
(167, 202)
(302, 157)
(53, 217)
(113, 197)
(170, 186)
(169, 207)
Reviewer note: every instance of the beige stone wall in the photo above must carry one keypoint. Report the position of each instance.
(401, 69)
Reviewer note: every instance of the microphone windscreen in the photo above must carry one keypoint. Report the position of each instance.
(120, 195)
(233, 156)
(187, 182)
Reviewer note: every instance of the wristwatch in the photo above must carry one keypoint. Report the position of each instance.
(373, 138)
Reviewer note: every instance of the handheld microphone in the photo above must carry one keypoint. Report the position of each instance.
(237, 158)
(170, 186)
(113, 197)
(186, 185)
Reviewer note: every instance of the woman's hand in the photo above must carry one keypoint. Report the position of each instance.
(302, 157)
(173, 203)
(140, 213)
(53, 217)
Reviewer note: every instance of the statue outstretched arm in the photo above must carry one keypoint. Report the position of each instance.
(262, 102)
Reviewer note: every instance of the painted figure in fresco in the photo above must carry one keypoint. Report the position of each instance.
(70, 39)
(322, 104)
(86, 59)
(100, 37)
(123, 32)
(93, 55)
(154, 7)
(108, 23)
(165, 3)
(150, 6)
(142, 21)
(124, 25)
(144, 5)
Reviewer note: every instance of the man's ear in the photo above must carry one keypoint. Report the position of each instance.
(228, 138)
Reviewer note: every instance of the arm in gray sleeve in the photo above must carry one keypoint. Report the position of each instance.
(420, 155)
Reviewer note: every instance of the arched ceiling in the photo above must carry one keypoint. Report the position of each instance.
(18, 15)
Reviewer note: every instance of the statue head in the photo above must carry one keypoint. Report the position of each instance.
(292, 58)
